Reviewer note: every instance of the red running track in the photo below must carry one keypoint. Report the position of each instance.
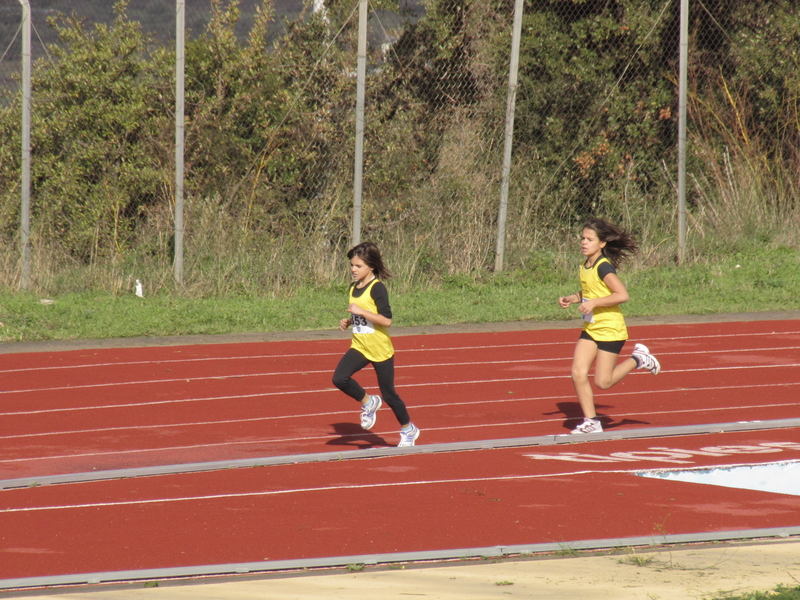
(397, 503)
(89, 410)
(79, 411)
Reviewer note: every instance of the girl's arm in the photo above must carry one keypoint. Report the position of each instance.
(369, 316)
(381, 297)
(619, 295)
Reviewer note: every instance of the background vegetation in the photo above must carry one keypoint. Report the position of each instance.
(269, 154)
(741, 283)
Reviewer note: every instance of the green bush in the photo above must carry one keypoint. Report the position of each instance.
(270, 135)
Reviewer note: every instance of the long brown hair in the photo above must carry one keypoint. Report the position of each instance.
(620, 245)
(369, 253)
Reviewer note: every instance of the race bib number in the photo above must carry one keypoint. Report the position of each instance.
(590, 317)
(362, 325)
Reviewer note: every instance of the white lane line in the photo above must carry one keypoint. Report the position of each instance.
(330, 488)
(265, 357)
(416, 366)
(356, 436)
(403, 350)
(282, 392)
(399, 367)
(404, 385)
(418, 407)
(336, 488)
(274, 374)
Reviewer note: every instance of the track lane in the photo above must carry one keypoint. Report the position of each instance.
(266, 399)
(455, 500)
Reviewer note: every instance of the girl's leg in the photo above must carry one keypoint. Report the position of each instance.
(585, 354)
(352, 362)
(607, 373)
(385, 372)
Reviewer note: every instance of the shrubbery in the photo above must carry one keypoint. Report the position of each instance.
(269, 140)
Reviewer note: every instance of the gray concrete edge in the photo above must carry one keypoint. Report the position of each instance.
(547, 440)
(267, 567)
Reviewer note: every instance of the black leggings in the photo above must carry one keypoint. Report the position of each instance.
(352, 362)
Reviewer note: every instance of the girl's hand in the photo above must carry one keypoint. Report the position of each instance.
(355, 309)
(587, 307)
(344, 324)
(566, 301)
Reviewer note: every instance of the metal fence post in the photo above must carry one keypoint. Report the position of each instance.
(683, 68)
(180, 16)
(25, 213)
(359, 149)
(509, 138)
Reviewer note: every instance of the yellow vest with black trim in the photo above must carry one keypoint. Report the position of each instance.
(371, 340)
(609, 324)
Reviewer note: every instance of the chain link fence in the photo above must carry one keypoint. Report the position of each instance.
(270, 134)
(744, 101)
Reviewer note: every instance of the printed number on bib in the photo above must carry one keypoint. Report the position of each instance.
(590, 317)
(362, 325)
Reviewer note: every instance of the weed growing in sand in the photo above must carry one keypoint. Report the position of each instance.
(637, 560)
(780, 593)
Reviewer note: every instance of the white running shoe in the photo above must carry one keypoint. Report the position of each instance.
(589, 426)
(407, 438)
(646, 360)
(368, 412)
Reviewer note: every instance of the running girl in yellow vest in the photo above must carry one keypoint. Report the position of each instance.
(371, 316)
(604, 332)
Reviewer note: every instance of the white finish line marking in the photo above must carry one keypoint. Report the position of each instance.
(776, 478)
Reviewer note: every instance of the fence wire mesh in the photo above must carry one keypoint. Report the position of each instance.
(270, 130)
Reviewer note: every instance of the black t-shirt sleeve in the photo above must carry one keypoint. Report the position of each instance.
(604, 268)
(381, 297)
